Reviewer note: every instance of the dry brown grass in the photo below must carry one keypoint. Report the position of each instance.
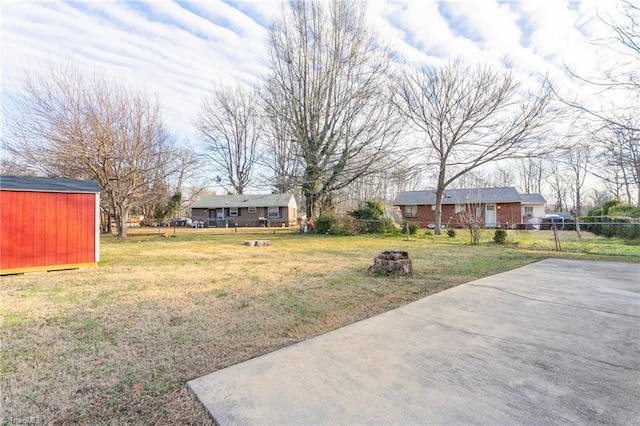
(117, 343)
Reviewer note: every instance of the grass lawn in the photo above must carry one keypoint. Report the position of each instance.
(117, 343)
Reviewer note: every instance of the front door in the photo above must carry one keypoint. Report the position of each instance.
(490, 216)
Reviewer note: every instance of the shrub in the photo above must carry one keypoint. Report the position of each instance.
(609, 227)
(370, 220)
(413, 228)
(500, 236)
(350, 226)
(372, 210)
(615, 208)
(608, 205)
(624, 210)
(324, 224)
(451, 232)
(388, 226)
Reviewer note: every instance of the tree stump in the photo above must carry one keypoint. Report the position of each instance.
(392, 263)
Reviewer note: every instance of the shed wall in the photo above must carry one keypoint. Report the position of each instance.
(46, 230)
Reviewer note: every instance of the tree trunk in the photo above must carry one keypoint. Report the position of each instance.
(439, 196)
(120, 217)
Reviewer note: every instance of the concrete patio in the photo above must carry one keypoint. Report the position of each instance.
(555, 342)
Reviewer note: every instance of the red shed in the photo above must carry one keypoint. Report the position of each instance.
(48, 224)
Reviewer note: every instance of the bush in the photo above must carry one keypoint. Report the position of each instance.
(369, 220)
(413, 228)
(388, 226)
(624, 210)
(372, 210)
(350, 226)
(500, 236)
(324, 224)
(615, 208)
(451, 232)
(609, 227)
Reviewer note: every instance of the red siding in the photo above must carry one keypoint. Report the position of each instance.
(46, 229)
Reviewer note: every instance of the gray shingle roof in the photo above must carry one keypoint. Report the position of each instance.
(44, 184)
(461, 196)
(533, 199)
(259, 200)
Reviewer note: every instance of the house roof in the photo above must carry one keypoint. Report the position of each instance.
(257, 200)
(533, 199)
(44, 184)
(460, 196)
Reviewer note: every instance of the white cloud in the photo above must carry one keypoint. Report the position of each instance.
(177, 49)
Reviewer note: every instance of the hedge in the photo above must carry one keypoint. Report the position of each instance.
(611, 226)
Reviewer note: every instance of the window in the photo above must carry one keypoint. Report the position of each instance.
(233, 211)
(410, 211)
(273, 212)
(433, 207)
(459, 208)
(252, 210)
(528, 211)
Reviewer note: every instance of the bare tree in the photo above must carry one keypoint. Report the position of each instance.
(383, 186)
(622, 154)
(471, 116)
(618, 118)
(531, 173)
(578, 160)
(282, 156)
(624, 40)
(328, 83)
(557, 181)
(502, 176)
(10, 166)
(229, 125)
(74, 124)
(166, 193)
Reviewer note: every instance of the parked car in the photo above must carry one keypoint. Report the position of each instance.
(197, 224)
(179, 221)
(548, 221)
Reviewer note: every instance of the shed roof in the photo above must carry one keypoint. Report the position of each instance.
(460, 196)
(256, 200)
(45, 184)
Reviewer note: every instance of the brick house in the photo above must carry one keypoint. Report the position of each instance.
(496, 207)
(246, 210)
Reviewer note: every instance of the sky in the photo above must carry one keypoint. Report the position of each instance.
(178, 49)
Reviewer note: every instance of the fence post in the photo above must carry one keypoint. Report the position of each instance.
(556, 237)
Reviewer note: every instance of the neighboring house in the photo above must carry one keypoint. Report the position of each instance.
(48, 224)
(496, 207)
(246, 210)
(532, 208)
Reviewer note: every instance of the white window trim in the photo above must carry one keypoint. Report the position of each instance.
(411, 210)
(270, 210)
(252, 210)
(233, 211)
